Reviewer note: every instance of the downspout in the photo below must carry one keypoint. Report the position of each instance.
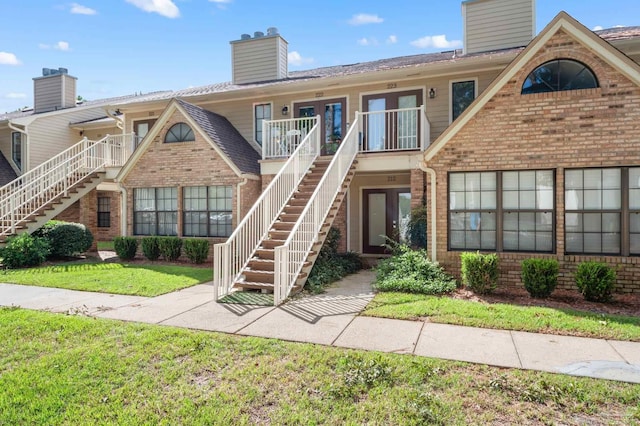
(23, 150)
(123, 209)
(245, 180)
(432, 174)
(119, 120)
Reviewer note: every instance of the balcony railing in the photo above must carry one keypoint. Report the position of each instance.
(405, 129)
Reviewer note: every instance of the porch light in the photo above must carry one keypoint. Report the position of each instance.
(285, 110)
(432, 93)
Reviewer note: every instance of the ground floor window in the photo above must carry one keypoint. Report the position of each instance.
(104, 212)
(155, 211)
(207, 211)
(602, 211)
(502, 211)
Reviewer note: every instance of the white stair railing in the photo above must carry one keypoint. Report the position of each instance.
(280, 138)
(292, 255)
(30, 192)
(231, 257)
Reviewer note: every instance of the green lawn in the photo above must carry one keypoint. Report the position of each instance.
(503, 316)
(116, 278)
(57, 369)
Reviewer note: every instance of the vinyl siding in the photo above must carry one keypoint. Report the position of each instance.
(49, 135)
(48, 92)
(497, 24)
(259, 59)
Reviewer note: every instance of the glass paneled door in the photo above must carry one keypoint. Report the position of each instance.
(391, 121)
(332, 120)
(141, 128)
(386, 213)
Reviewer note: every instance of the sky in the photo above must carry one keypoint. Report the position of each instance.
(120, 47)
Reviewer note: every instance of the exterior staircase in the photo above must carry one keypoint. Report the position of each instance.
(260, 271)
(44, 192)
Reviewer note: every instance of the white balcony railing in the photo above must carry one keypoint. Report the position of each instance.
(395, 130)
(292, 255)
(30, 192)
(280, 138)
(231, 257)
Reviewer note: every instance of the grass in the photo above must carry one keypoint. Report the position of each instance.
(116, 278)
(57, 369)
(105, 245)
(446, 310)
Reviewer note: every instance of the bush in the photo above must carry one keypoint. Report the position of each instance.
(196, 251)
(330, 265)
(125, 247)
(411, 271)
(66, 239)
(418, 227)
(24, 250)
(170, 248)
(540, 276)
(595, 280)
(151, 248)
(479, 271)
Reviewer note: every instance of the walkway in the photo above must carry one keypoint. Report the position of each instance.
(332, 319)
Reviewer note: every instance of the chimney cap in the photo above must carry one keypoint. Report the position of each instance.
(258, 34)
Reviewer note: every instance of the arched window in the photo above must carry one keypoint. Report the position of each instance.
(180, 132)
(559, 75)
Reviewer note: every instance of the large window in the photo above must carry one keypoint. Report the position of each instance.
(262, 112)
(462, 95)
(207, 211)
(559, 75)
(16, 149)
(593, 210)
(104, 212)
(155, 211)
(503, 211)
(180, 132)
(634, 210)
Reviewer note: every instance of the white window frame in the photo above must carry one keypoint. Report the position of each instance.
(461, 80)
(13, 151)
(255, 120)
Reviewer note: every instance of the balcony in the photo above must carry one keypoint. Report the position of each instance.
(379, 131)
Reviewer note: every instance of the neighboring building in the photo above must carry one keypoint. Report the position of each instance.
(207, 153)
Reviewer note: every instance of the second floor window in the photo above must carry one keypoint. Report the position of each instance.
(16, 149)
(180, 132)
(262, 112)
(462, 95)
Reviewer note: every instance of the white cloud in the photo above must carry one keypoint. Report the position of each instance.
(15, 95)
(392, 39)
(365, 18)
(61, 45)
(222, 4)
(79, 9)
(598, 28)
(296, 59)
(436, 41)
(367, 41)
(165, 8)
(7, 58)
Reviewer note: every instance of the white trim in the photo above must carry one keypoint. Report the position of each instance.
(450, 88)
(253, 120)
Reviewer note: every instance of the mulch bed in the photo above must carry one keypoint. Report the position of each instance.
(622, 304)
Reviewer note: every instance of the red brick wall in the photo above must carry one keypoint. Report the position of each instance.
(108, 234)
(580, 128)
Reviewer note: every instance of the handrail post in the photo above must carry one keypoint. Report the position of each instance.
(13, 214)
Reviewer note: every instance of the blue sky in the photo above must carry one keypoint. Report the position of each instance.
(125, 46)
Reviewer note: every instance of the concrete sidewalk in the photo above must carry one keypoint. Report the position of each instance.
(332, 319)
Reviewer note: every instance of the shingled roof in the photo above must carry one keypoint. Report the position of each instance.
(7, 174)
(227, 137)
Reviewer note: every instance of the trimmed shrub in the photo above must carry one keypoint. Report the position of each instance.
(66, 239)
(595, 280)
(151, 248)
(24, 250)
(540, 276)
(125, 247)
(411, 271)
(479, 271)
(170, 248)
(196, 251)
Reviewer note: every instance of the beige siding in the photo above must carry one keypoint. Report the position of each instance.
(497, 24)
(97, 134)
(51, 134)
(51, 94)
(259, 59)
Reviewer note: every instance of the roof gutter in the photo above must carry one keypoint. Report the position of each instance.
(432, 175)
(119, 120)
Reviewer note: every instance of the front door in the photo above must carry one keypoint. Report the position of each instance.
(332, 120)
(388, 129)
(386, 214)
